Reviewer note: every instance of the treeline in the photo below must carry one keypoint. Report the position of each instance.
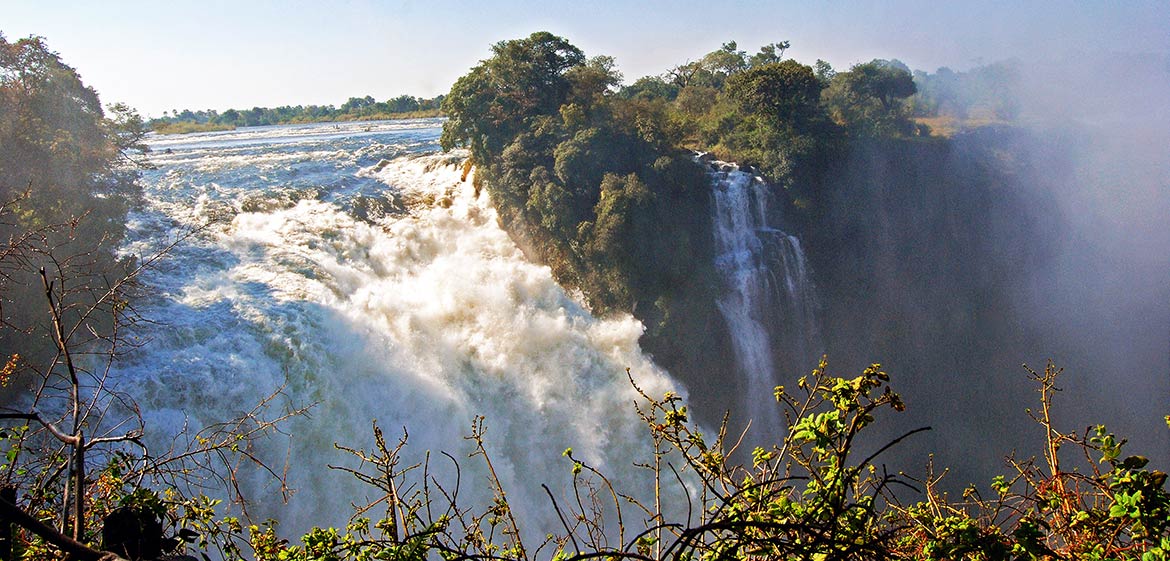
(784, 117)
(601, 181)
(356, 108)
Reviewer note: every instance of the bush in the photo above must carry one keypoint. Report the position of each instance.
(808, 496)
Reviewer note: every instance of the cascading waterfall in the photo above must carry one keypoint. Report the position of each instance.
(343, 262)
(769, 303)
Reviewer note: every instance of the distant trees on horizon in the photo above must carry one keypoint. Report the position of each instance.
(355, 108)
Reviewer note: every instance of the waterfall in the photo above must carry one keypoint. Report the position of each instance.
(354, 268)
(769, 302)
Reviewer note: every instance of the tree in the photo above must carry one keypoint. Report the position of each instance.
(128, 131)
(592, 80)
(621, 228)
(869, 99)
(48, 115)
(711, 70)
(885, 81)
(696, 101)
(650, 87)
(229, 117)
(524, 78)
(824, 72)
(403, 104)
(786, 92)
(357, 104)
(684, 74)
(724, 62)
(62, 160)
(769, 54)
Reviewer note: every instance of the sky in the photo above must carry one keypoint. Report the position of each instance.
(212, 54)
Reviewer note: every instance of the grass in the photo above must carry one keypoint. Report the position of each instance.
(949, 125)
(187, 127)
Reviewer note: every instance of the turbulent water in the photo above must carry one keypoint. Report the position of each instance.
(352, 265)
(769, 303)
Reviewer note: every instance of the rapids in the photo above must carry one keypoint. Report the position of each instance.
(351, 265)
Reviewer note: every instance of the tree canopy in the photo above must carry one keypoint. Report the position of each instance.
(782, 91)
(58, 142)
(869, 99)
(523, 79)
(68, 172)
(591, 179)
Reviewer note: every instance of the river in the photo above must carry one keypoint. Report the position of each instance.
(351, 266)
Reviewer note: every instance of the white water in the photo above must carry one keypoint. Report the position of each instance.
(422, 316)
(769, 302)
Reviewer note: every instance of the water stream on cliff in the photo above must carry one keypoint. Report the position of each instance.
(769, 302)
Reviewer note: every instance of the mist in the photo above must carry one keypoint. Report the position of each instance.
(1104, 299)
(1041, 239)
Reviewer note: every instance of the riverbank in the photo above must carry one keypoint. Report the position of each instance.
(186, 127)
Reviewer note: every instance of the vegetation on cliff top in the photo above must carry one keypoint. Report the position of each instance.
(593, 184)
(601, 182)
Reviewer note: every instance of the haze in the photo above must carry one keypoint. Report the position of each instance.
(159, 56)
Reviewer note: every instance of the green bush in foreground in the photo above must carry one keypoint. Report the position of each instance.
(808, 496)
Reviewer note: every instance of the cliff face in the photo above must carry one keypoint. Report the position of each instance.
(920, 239)
(924, 255)
(928, 257)
(920, 253)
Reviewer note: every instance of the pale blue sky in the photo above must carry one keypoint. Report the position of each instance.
(216, 54)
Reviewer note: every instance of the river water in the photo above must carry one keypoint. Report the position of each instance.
(349, 264)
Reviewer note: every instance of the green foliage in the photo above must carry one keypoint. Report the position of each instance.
(525, 78)
(869, 99)
(68, 175)
(354, 109)
(788, 121)
(771, 53)
(780, 127)
(58, 142)
(650, 87)
(592, 181)
(807, 497)
(786, 93)
(696, 101)
(1050, 511)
